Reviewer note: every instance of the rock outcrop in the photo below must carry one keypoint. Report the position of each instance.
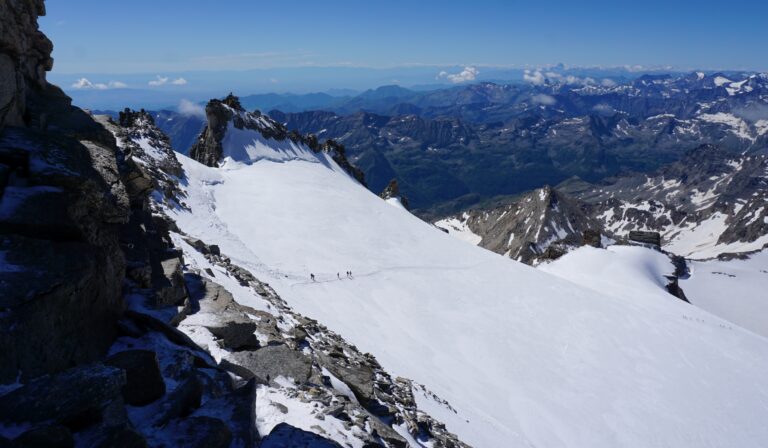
(392, 191)
(25, 57)
(541, 225)
(62, 204)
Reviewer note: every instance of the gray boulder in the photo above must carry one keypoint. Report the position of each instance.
(144, 381)
(359, 378)
(273, 361)
(168, 283)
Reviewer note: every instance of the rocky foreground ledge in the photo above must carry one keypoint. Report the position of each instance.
(109, 336)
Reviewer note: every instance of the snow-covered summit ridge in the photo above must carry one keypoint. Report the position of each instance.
(234, 135)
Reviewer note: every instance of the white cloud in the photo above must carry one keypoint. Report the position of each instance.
(468, 74)
(85, 84)
(544, 100)
(603, 108)
(536, 78)
(191, 109)
(570, 79)
(161, 80)
(608, 83)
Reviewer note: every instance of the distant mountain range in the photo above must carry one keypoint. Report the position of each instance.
(457, 147)
(708, 204)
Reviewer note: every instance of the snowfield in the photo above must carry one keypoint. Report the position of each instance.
(581, 353)
(735, 290)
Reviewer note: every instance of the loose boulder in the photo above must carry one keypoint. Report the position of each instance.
(273, 361)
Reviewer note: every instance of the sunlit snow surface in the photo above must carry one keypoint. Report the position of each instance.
(526, 358)
(736, 290)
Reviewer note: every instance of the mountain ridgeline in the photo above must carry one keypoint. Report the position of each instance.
(710, 203)
(462, 146)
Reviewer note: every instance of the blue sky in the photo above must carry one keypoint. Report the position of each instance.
(143, 53)
(141, 36)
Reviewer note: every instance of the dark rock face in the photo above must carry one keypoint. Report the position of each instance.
(144, 382)
(198, 432)
(592, 238)
(207, 150)
(61, 206)
(55, 436)
(71, 398)
(285, 435)
(393, 191)
(540, 225)
(25, 57)
(643, 237)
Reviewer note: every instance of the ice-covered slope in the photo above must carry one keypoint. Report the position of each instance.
(522, 357)
(733, 289)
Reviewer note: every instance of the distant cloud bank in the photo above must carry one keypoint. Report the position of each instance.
(539, 78)
(544, 100)
(468, 74)
(163, 80)
(85, 84)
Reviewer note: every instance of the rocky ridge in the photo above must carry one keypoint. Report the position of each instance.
(62, 205)
(221, 113)
(708, 188)
(540, 225)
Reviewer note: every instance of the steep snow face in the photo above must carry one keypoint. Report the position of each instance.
(509, 355)
(734, 290)
(247, 145)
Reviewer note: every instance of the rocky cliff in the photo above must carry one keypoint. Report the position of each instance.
(62, 204)
(25, 57)
(540, 225)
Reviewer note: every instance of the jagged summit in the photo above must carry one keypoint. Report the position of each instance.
(233, 102)
(232, 132)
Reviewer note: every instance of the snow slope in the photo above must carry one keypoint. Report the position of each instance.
(736, 290)
(522, 357)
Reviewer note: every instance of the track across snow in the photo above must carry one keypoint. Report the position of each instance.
(523, 357)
